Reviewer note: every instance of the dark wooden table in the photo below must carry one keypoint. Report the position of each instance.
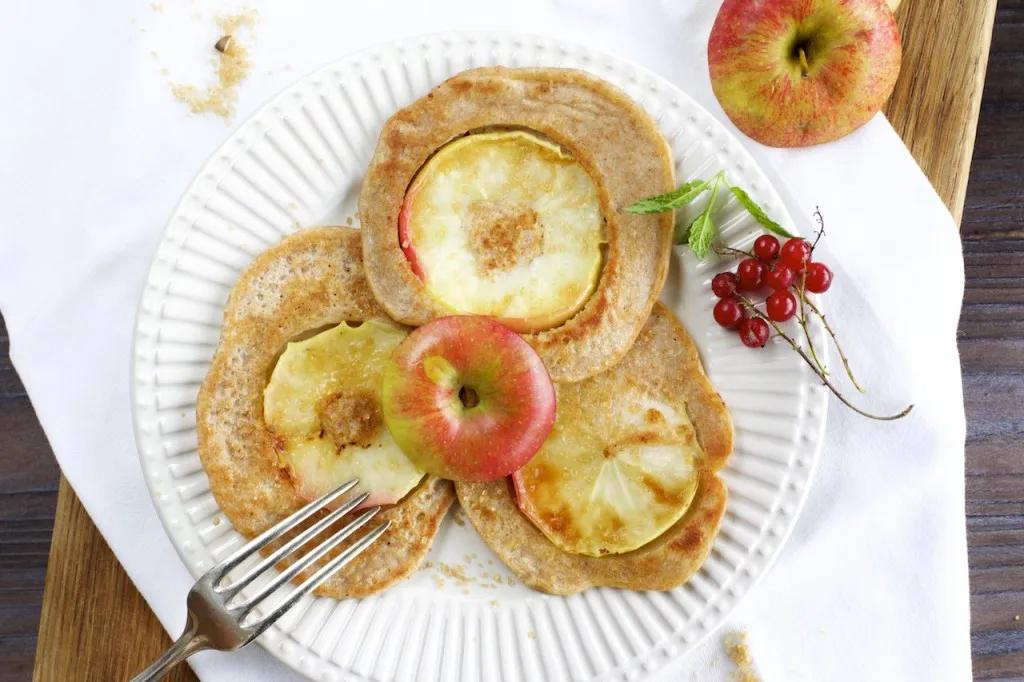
(991, 338)
(991, 343)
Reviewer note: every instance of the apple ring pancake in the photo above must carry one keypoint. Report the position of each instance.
(567, 131)
(663, 366)
(311, 280)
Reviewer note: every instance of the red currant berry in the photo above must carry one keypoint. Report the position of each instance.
(751, 274)
(819, 278)
(780, 277)
(766, 248)
(724, 284)
(781, 306)
(795, 253)
(728, 312)
(754, 332)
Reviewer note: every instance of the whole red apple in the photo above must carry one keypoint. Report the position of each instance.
(466, 398)
(794, 73)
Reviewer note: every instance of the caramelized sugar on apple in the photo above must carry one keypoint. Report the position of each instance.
(505, 224)
(619, 468)
(468, 399)
(323, 404)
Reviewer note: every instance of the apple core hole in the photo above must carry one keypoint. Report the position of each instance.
(469, 397)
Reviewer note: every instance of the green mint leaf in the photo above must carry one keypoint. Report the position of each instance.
(702, 229)
(758, 213)
(672, 200)
(702, 232)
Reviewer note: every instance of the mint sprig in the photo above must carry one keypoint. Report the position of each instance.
(701, 232)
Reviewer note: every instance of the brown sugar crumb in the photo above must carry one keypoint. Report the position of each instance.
(232, 68)
(735, 644)
(503, 236)
(457, 573)
(351, 417)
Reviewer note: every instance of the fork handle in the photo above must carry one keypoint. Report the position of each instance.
(186, 645)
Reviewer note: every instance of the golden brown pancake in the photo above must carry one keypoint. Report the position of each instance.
(663, 359)
(311, 280)
(609, 134)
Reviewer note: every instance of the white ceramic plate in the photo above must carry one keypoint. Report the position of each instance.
(299, 162)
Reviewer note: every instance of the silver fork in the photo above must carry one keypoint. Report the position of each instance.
(216, 621)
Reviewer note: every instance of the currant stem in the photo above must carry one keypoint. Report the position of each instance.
(835, 340)
(802, 319)
(824, 379)
(820, 219)
(729, 251)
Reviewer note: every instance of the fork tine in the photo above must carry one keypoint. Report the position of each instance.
(306, 561)
(285, 549)
(280, 529)
(322, 574)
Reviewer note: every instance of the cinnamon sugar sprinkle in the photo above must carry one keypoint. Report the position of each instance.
(464, 575)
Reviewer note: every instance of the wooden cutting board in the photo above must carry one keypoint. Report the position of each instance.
(96, 626)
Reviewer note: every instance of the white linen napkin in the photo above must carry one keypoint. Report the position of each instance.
(873, 583)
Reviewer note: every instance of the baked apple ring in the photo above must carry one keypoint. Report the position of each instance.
(598, 128)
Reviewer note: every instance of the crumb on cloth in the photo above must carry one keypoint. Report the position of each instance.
(233, 67)
(735, 644)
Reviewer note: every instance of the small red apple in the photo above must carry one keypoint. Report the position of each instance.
(466, 398)
(794, 73)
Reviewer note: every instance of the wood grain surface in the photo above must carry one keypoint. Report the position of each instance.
(935, 105)
(992, 358)
(109, 631)
(87, 594)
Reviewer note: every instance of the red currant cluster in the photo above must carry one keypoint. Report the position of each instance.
(780, 267)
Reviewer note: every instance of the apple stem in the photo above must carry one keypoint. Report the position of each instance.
(804, 67)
